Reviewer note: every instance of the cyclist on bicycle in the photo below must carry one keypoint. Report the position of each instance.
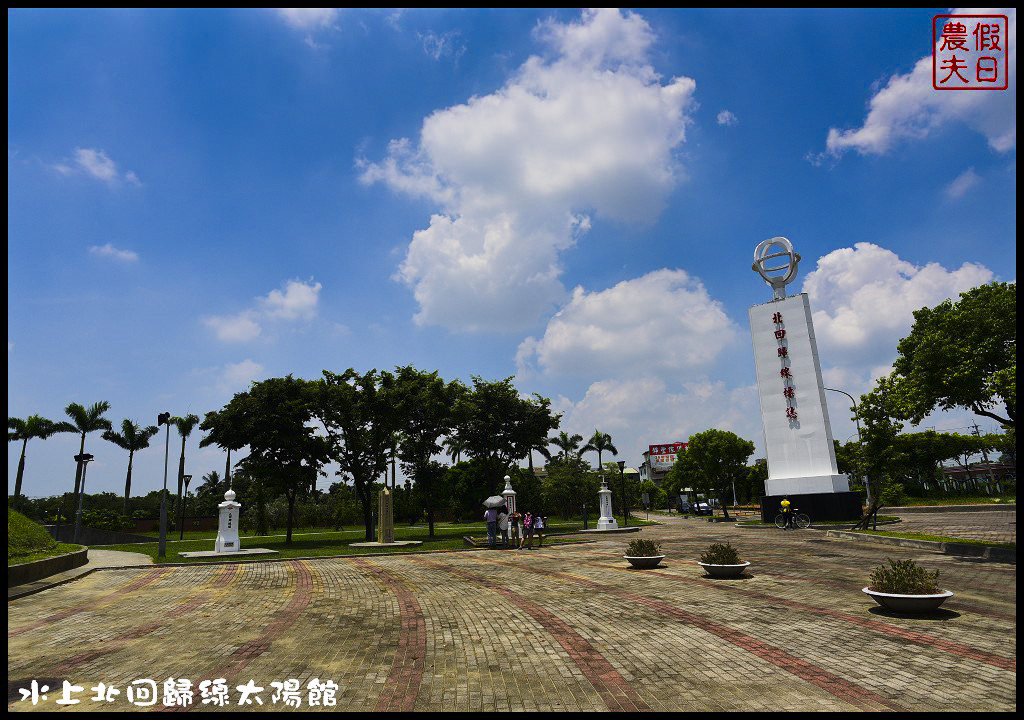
(787, 514)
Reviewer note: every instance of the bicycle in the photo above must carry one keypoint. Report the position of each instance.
(800, 520)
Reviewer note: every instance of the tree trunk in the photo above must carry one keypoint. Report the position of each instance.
(128, 482)
(291, 510)
(181, 473)
(21, 469)
(78, 476)
(363, 493)
(227, 469)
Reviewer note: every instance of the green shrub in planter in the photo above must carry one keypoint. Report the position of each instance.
(904, 577)
(720, 554)
(643, 548)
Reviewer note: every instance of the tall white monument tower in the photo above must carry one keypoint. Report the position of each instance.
(798, 438)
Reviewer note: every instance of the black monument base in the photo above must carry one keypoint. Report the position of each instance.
(819, 506)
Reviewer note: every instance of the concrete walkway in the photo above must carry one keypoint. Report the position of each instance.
(569, 627)
(97, 559)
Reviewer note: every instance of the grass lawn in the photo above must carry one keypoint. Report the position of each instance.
(936, 538)
(319, 542)
(964, 500)
(28, 541)
(58, 549)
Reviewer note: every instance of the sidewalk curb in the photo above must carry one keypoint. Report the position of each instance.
(984, 552)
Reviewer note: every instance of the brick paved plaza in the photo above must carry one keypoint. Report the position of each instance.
(567, 628)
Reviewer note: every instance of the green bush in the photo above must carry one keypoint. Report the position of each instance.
(892, 494)
(720, 554)
(643, 548)
(25, 537)
(904, 577)
(106, 520)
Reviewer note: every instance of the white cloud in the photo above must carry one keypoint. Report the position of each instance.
(96, 164)
(727, 118)
(442, 45)
(863, 299)
(109, 250)
(908, 108)
(308, 18)
(963, 182)
(517, 173)
(661, 323)
(642, 411)
(235, 328)
(236, 377)
(297, 302)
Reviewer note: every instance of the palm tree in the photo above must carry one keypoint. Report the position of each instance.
(569, 444)
(34, 426)
(600, 443)
(454, 446)
(131, 438)
(84, 421)
(212, 485)
(540, 446)
(185, 426)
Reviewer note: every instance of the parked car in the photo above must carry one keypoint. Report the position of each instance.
(685, 508)
(702, 508)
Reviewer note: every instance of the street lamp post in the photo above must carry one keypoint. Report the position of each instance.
(164, 419)
(187, 479)
(82, 460)
(625, 500)
(860, 441)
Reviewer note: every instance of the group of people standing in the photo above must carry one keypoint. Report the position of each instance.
(517, 529)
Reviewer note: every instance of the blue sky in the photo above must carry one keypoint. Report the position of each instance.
(198, 199)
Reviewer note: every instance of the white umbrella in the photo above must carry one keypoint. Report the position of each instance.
(494, 501)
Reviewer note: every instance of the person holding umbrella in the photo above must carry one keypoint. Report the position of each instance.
(491, 518)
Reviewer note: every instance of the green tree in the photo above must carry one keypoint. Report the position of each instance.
(882, 457)
(532, 425)
(713, 460)
(961, 354)
(34, 426)
(185, 425)
(496, 425)
(568, 486)
(272, 419)
(568, 445)
(84, 421)
(360, 420)
(131, 438)
(423, 405)
(600, 442)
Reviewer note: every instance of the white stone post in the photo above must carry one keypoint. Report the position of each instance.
(227, 529)
(607, 520)
(510, 495)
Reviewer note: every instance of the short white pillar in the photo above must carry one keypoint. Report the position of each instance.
(510, 495)
(227, 528)
(607, 520)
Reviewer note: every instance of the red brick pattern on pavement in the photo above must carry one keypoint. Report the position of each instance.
(616, 693)
(403, 683)
(563, 628)
(146, 579)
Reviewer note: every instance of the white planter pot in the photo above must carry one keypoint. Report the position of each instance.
(645, 562)
(909, 603)
(724, 570)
